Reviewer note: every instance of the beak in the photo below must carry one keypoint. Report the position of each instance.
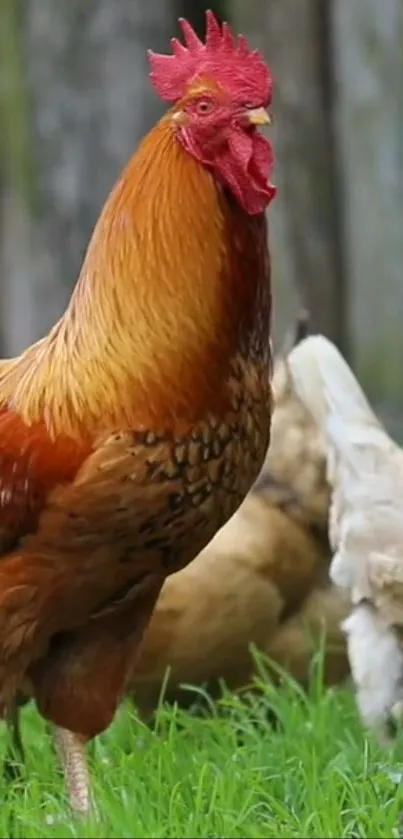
(258, 116)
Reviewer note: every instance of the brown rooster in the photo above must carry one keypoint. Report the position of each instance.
(134, 429)
(264, 578)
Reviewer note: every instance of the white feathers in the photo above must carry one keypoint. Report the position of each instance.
(376, 661)
(365, 470)
(324, 381)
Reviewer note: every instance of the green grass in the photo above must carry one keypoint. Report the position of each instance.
(228, 775)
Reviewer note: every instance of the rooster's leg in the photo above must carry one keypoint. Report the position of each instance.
(14, 759)
(73, 758)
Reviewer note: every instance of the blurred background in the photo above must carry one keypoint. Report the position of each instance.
(75, 100)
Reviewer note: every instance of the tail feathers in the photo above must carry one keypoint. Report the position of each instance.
(326, 384)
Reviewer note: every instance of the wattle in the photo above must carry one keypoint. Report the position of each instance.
(246, 168)
(261, 164)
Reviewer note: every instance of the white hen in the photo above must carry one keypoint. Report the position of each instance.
(365, 470)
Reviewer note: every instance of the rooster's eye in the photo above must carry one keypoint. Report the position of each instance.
(204, 106)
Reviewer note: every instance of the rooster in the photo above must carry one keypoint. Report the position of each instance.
(134, 429)
(366, 526)
(263, 579)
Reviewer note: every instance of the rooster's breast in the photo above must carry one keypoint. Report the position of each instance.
(194, 483)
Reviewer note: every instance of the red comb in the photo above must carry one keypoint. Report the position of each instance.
(228, 60)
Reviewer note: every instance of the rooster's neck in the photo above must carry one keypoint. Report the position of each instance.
(174, 288)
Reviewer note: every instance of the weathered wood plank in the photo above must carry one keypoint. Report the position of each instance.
(91, 102)
(368, 55)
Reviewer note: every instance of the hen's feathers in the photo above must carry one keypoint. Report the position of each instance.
(365, 468)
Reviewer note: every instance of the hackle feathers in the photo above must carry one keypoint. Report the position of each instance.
(155, 313)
